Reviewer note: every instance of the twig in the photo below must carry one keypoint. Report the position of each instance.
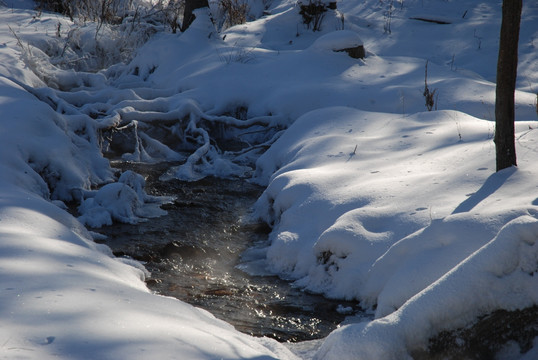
(429, 95)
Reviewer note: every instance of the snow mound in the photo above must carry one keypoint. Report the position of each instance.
(337, 40)
(499, 275)
(374, 237)
(124, 201)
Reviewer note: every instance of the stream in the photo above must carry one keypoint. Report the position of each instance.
(193, 255)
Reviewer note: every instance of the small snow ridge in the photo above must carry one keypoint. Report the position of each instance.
(337, 40)
(124, 201)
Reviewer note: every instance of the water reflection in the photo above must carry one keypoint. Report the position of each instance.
(193, 253)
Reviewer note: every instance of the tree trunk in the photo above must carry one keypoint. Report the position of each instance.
(506, 84)
(190, 6)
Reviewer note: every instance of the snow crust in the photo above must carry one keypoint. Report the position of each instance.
(369, 196)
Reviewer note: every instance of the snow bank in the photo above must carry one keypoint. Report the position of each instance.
(63, 296)
(416, 199)
(499, 275)
(36, 141)
(375, 157)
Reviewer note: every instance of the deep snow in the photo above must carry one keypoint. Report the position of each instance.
(370, 196)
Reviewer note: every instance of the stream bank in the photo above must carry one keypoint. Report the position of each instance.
(193, 252)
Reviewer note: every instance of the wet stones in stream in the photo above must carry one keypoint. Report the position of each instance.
(192, 254)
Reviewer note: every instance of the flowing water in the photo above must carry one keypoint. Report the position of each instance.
(193, 253)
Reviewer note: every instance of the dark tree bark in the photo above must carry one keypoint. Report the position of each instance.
(506, 84)
(190, 6)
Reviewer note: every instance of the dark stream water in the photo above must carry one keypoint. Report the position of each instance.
(192, 254)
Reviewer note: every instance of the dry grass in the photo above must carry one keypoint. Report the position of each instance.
(234, 12)
(429, 95)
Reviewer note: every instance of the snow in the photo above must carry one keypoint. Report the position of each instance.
(369, 196)
(337, 40)
(124, 201)
(504, 266)
(62, 295)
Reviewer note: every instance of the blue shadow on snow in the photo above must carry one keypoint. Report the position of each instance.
(492, 184)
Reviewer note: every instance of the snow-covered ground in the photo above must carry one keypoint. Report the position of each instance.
(370, 196)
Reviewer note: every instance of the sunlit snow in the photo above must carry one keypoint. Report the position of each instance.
(370, 196)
